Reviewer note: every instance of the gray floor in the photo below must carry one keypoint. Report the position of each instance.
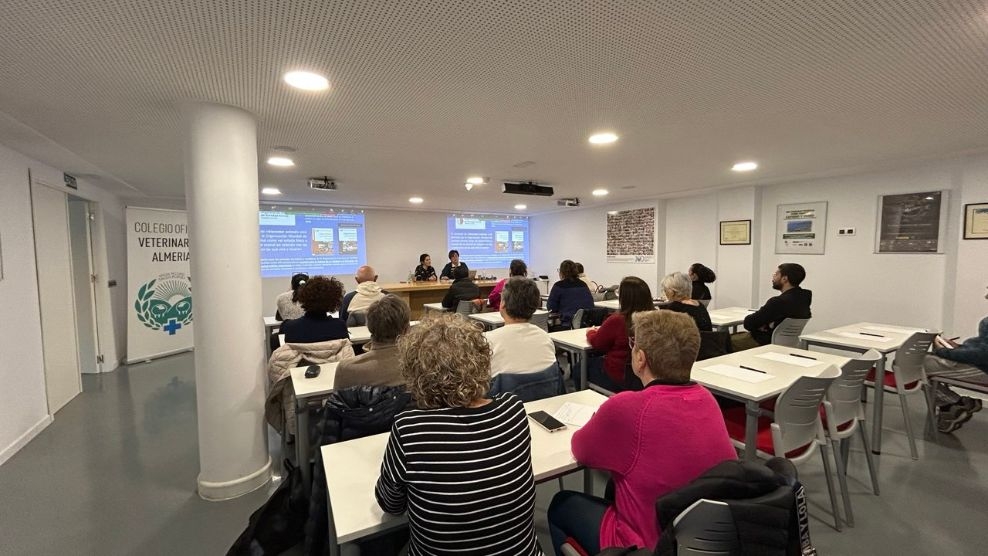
(116, 472)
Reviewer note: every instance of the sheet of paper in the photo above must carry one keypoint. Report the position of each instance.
(790, 360)
(738, 373)
(893, 329)
(858, 336)
(575, 414)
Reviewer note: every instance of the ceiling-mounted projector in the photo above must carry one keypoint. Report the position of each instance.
(526, 188)
(574, 202)
(324, 183)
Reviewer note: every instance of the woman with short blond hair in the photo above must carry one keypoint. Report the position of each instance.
(460, 464)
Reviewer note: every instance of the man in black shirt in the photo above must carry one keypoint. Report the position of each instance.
(793, 302)
(462, 289)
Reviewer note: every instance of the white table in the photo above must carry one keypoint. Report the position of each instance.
(494, 319)
(270, 323)
(575, 342)
(614, 305)
(352, 469)
(438, 307)
(729, 318)
(888, 339)
(360, 335)
(306, 388)
(781, 376)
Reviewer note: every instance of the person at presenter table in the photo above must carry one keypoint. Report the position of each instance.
(454, 262)
(424, 271)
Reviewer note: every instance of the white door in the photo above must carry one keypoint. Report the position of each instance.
(56, 293)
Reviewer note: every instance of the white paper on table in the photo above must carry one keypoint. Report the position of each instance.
(738, 373)
(858, 336)
(790, 360)
(891, 329)
(575, 414)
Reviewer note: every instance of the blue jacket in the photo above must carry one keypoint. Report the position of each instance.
(974, 351)
(568, 296)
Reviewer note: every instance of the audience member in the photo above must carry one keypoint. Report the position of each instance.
(319, 297)
(967, 362)
(593, 286)
(519, 346)
(677, 289)
(793, 302)
(462, 289)
(454, 262)
(652, 442)
(517, 268)
(569, 294)
(387, 318)
(460, 465)
(611, 337)
(701, 276)
(287, 302)
(424, 271)
(368, 291)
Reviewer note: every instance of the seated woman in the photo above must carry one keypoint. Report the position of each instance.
(568, 295)
(424, 271)
(517, 268)
(387, 318)
(287, 302)
(701, 276)
(520, 346)
(462, 289)
(611, 337)
(677, 289)
(319, 297)
(653, 441)
(460, 464)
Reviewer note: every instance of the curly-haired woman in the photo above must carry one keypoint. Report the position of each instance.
(460, 464)
(319, 297)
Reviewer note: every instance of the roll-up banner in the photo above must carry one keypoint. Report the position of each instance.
(159, 288)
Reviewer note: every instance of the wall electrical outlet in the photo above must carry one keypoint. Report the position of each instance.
(845, 231)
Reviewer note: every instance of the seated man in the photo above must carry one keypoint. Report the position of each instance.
(967, 362)
(367, 292)
(519, 346)
(387, 319)
(793, 302)
(462, 288)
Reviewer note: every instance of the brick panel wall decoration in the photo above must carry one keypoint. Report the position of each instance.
(631, 236)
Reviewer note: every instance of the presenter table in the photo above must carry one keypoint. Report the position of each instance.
(352, 469)
(574, 342)
(857, 338)
(417, 294)
(729, 318)
(494, 320)
(724, 376)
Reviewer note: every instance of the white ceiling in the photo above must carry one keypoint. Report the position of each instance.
(428, 92)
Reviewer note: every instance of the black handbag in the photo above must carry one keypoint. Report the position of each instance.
(279, 524)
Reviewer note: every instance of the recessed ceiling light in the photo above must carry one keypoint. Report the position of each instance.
(271, 191)
(929, 198)
(603, 138)
(599, 192)
(283, 161)
(468, 185)
(475, 180)
(415, 200)
(612, 212)
(307, 81)
(744, 166)
(521, 207)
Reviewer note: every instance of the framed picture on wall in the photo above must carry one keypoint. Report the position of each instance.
(975, 222)
(911, 222)
(801, 228)
(735, 232)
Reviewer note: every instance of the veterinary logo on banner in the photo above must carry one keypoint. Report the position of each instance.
(160, 314)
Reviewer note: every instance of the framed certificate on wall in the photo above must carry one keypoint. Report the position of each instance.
(976, 221)
(735, 232)
(801, 228)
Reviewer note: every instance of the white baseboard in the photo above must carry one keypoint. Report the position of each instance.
(23, 439)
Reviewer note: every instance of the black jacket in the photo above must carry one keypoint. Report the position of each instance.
(460, 290)
(794, 303)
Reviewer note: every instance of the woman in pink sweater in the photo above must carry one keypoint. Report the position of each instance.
(653, 441)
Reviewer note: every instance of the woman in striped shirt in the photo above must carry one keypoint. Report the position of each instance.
(460, 464)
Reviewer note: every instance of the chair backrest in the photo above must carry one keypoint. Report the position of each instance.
(797, 414)
(530, 386)
(465, 308)
(540, 320)
(788, 331)
(908, 362)
(585, 318)
(706, 528)
(844, 395)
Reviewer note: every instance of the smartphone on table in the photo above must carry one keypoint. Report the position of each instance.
(546, 421)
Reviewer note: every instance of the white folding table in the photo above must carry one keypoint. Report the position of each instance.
(574, 342)
(729, 318)
(493, 319)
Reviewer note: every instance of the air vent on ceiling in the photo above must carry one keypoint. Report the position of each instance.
(574, 202)
(324, 183)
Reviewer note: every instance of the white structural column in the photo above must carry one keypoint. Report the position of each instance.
(222, 203)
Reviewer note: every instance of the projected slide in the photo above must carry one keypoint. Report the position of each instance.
(488, 241)
(311, 240)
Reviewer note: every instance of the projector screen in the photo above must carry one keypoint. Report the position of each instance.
(311, 240)
(488, 241)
